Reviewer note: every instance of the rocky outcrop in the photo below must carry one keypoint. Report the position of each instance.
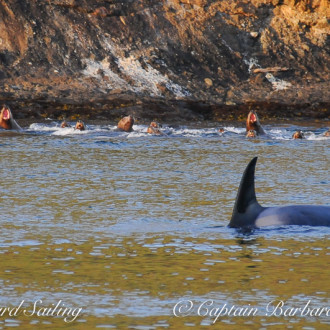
(165, 59)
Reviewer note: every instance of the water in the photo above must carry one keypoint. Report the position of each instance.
(132, 228)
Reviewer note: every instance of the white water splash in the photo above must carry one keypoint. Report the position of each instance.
(140, 131)
(41, 127)
(56, 130)
(70, 131)
(237, 130)
(312, 136)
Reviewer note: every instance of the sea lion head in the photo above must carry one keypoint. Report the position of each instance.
(251, 133)
(252, 122)
(64, 124)
(327, 133)
(5, 117)
(221, 130)
(126, 124)
(298, 135)
(7, 120)
(80, 125)
(154, 128)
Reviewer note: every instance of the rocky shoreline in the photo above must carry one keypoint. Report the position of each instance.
(179, 60)
(146, 110)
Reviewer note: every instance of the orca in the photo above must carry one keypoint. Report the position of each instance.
(248, 213)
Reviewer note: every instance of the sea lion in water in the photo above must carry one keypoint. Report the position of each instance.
(298, 135)
(7, 120)
(64, 124)
(249, 213)
(154, 128)
(253, 123)
(251, 133)
(327, 133)
(80, 125)
(126, 124)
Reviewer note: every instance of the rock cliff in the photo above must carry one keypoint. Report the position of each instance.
(165, 59)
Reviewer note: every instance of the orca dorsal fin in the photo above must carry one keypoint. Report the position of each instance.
(246, 208)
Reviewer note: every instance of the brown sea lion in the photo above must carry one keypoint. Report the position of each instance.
(327, 133)
(7, 120)
(64, 124)
(126, 124)
(253, 123)
(298, 135)
(80, 125)
(251, 133)
(154, 129)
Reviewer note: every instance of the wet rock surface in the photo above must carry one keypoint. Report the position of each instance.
(165, 60)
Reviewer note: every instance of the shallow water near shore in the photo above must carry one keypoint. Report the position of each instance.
(132, 228)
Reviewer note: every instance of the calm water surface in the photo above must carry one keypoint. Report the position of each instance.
(132, 228)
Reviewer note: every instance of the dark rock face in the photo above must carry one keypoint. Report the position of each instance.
(166, 59)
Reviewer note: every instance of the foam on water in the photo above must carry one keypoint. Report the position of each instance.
(136, 134)
(233, 129)
(35, 127)
(69, 131)
(56, 130)
(313, 136)
(139, 131)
